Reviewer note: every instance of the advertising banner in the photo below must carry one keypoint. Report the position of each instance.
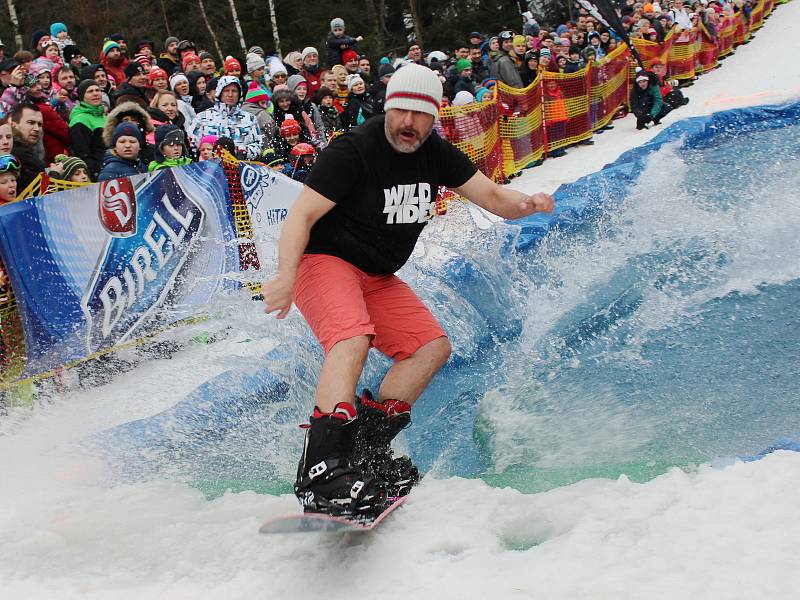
(269, 195)
(100, 265)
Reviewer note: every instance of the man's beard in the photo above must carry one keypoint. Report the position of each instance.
(405, 146)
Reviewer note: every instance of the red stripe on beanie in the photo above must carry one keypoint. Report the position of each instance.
(413, 96)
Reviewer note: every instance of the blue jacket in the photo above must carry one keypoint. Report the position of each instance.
(115, 167)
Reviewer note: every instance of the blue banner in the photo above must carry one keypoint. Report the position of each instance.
(100, 265)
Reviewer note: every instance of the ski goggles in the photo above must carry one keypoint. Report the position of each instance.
(9, 162)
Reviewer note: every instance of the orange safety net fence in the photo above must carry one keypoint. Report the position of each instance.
(565, 104)
(609, 86)
(520, 125)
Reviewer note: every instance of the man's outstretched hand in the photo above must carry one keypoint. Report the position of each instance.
(539, 202)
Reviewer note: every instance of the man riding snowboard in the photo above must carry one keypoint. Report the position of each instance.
(354, 224)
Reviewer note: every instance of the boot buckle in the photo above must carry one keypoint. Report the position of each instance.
(317, 470)
(356, 489)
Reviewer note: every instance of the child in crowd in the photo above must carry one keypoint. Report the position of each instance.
(323, 98)
(6, 136)
(338, 42)
(206, 151)
(301, 159)
(290, 131)
(60, 35)
(171, 148)
(69, 168)
(9, 171)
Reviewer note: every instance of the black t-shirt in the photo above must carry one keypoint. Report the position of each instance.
(383, 197)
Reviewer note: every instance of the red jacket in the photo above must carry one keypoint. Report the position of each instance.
(56, 131)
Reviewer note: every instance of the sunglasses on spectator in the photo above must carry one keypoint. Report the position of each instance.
(281, 75)
(9, 162)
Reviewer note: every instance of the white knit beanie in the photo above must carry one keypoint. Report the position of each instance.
(337, 22)
(414, 87)
(309, 50)
(352, 80)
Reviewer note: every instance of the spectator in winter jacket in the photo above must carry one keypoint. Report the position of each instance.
(670, 93)
(256, 102)
(480, 68)
(133, 113)
(285, 105)
(135, 88)
(163, 110)
(574, 61)
(26, 124)
(338, 42)
(198, 84)
(168, 60)
(69, 168)
(64, 93)
(55, 129)
(123, 158)
(359, 106)
(464, 81)
(505, 69)
(98, 73)
(311, 69)
(308, 110)
(530, 69)
(180, 85)
(378, 91)
(113, 61)
(227, 119)
(12, 85)
(331, 122)
(171, 150)
(86, 124)
(208, 66)
(256, 71)
(646, 102)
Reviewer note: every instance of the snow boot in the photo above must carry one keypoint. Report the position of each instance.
(326, 480)
(378, 424)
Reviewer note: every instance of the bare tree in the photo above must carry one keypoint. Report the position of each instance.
(274, 19)
(12, 12)
(166, 21)
(416, 21)
(238, 26)
(211, 29)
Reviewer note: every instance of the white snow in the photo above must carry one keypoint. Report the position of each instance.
(67, 532)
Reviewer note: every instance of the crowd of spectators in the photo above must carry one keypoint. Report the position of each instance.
(141, 107)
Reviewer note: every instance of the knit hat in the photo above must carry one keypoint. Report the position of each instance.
(352, 81)
(544, 52)
(276, 67)
(70, 51)
(290, 126)
(231, 64)
(309, 50)
(255, 62)
(462, 64)
(57, 28)
(256, 94)
(296, 80)
(170, 40)
(83, 86)
(642, 77)
(481, 92)
(256, 50)
(133, 68)
(336, 69)
(129, 129)
(70, 164)
(337, 23)
(142, 43)
(109, 45)
(517, 40)
(208, 139)
(37, 37)
(321, 93)
(349, 55)
(463, 98)
(142, 59)
(188, 58)
(414, 87)
(176, 79)
(204, 55)
(117, 37)
(168, 135)
(156, 73)
(385, 69)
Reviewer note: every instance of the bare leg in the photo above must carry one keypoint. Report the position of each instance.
(408, 378)
(340, 372)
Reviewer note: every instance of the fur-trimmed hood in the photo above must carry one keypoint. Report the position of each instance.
(126, 109)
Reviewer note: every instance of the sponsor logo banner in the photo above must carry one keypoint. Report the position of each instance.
(97, 266)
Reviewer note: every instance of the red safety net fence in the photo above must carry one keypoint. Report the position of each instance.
(519, 127)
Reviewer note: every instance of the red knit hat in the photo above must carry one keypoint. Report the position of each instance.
(349, 55)
(156, 73)
(231, 64)
(188, 58)
(290, 127)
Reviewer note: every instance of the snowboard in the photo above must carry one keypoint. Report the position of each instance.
(318, 522)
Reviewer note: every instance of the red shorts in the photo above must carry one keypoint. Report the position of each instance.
(340, 301)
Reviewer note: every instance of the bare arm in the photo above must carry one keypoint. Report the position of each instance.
(309, 208)
(502, 201)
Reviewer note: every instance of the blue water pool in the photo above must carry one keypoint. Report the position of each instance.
(652, 322)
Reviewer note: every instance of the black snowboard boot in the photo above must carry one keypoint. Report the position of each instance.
(378, 424)
(326, 480)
